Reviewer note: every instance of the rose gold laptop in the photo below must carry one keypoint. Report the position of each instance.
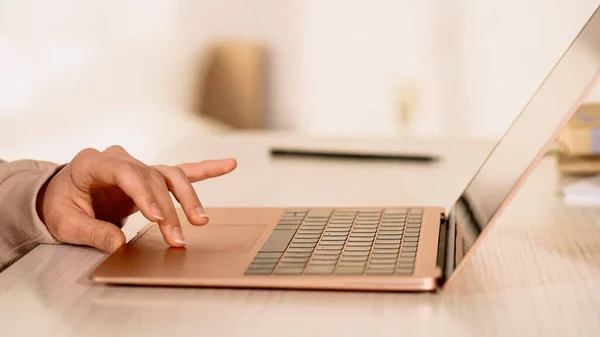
(395, 248)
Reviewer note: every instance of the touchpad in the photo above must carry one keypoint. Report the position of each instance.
(222, 239)
(212, 238)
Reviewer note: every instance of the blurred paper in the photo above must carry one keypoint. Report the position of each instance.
(583, 192)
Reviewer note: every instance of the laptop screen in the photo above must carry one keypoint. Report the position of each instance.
(532, 132)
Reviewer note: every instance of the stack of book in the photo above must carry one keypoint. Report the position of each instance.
(578, 145)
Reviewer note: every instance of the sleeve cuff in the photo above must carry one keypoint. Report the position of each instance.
(43, 235)
(21, 228)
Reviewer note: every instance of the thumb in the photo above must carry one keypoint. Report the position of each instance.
(85, 230)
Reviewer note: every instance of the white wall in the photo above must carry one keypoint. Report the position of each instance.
(505, 49)
(337, 65)
(476, 63)
(92, 73)
(356, 55)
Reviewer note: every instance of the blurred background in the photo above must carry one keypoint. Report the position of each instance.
(142, 73)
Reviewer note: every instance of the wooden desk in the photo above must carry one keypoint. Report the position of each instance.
(537, 273)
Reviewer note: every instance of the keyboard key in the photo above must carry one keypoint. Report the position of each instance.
(362, 235)
(290, 221)
(323, 262)
(309, 231)
(391, 226)
(278, 240)
(339, 230)
(386, 246)
(268, 255)
(333, 234)
(331, 247)
(293, 254)
(407, 259)
(313, 226)
(307, 236)
(327, 252)
(333, 243)
(380, 271)
(258, 271)
(334, 237)
(320, 269)
(393, 219)
(357, 248)
(350, 258)
(265, 261)
(390, 242)
(289, 259)
(386, 251)
(360, 239)
(358, 244)
(303, 245)
(296, 240)
(366, 221)
(384, 256)
(389, 232)
(389, 237)
(350, 270)
(328, 261)
(294, 227)
(299, 250)
(340, 225)
(364, 230)
(356, 253)
(289, 271)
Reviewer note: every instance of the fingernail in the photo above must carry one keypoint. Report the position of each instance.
(112, 244)
(178, 236)
(200, 212)
(155, 210)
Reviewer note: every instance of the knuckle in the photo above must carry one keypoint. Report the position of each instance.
(95, 235)
(155, 176)
(82, 162)
(171, 171)
(127, 171)
(85, 154)
(127, 168)
(115, 148)
(178, 170)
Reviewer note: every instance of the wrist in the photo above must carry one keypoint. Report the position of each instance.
(41, 195)
(39, 203)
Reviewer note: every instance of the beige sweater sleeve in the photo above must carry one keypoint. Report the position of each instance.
(21, 229)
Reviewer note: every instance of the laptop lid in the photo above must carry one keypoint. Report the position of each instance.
(524, 144)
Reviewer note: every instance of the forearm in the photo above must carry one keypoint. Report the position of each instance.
(20, 226)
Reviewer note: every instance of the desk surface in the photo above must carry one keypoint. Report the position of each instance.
(537, 273)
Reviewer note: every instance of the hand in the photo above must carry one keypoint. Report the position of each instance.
(82, 203)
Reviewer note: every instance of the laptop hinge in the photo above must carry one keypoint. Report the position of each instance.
(442, 244)
(446, 246)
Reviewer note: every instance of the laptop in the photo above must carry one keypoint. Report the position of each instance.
(388, 248)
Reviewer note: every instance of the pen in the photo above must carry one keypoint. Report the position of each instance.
(281, 152)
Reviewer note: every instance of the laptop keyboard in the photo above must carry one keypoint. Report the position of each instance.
(341, 242)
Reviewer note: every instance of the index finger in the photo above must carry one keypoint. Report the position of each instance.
(208, 168)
